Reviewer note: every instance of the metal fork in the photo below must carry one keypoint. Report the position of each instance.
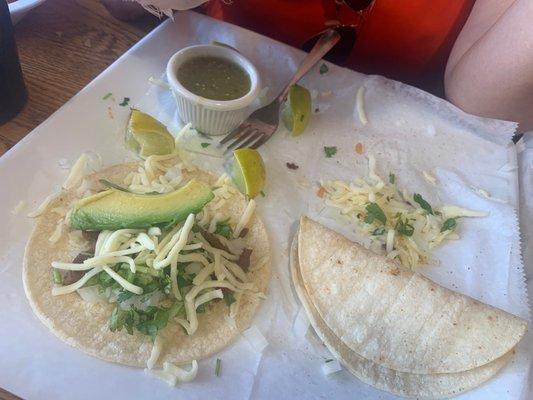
(263, 123)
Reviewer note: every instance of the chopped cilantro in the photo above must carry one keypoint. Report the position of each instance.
(330, 151)
(229, 298)
(201, 308)
(262, 193)
(323, 69)
(392, 178)
(379, 231)
(149, 322)
(404, 228)
(329, 360)
(423, 203)
(107, 96)
(224, 229)
(374, 212)
(112, 185)
(218, 365)
(56, 276)
(125, 102)
(124, 295)
(204, 145)
(449, 224)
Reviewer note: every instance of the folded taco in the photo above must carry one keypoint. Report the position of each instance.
(150, 263)
(393, 328)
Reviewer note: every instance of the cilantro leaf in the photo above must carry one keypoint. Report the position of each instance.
(112, 185)
(124, 295)
(125, 102)
(205, 144)
(392, 178)
(404, 228)
(330, 151)
(224, 229)
(374, 212)
(423, 203)
(56, 276)
(229, 298)
(218, 365)
(107, 96)
(379, 231)
(449, 224)
(262, 193)
(149, 322)
(323, 69)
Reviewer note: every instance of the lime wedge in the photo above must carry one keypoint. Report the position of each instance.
(248, 171)
(147, 136)
(297, 110)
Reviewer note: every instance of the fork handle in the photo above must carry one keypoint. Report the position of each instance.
(324, 44)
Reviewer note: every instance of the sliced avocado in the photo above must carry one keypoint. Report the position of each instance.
(114, 209)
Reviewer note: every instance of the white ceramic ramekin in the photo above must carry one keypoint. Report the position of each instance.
(212, 117)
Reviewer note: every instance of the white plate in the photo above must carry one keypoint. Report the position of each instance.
(36, 365)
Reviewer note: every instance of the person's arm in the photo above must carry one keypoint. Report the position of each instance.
(490, 69)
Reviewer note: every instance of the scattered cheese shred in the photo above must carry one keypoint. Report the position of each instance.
(331, 366)
(430, 178)
(361, 105)
(245, 218)
(61, 290)
(487, 195)
(42, 206)
(76, 172)
(156, 351)
(18, 208)
(401, 223)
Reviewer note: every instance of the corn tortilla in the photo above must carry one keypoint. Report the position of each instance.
(85, 326)
(395, 317)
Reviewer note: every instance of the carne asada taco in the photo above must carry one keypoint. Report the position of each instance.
(170, 268)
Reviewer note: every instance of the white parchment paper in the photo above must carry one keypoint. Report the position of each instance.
(408, 132)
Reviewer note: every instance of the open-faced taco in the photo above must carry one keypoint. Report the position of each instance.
(132, 276)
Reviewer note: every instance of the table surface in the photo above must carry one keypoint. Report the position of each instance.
(63, 45)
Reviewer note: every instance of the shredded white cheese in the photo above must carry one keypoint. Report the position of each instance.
(245, 218)
(18, 208)
(361, 105)
(331, 366)
(487, 195)
(430, 178)
(61, 290)
(156, 351)
(123, 282)
(402, 224)
(42, 206)
(76, 172)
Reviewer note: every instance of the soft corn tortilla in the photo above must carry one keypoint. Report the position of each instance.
(427, 386)
(395, 317)
(85, 326)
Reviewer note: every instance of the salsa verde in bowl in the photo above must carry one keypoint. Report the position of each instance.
(213, 86)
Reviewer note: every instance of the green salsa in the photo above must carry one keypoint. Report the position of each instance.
(214, 78)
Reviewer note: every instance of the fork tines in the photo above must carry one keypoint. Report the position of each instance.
(245, 135)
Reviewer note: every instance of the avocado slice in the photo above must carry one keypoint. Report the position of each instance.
(114, 209)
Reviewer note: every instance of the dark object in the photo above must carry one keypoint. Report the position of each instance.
(291, 165)
(244, 259)
(358, 5)
(213, 240)
(124, 10)
(342, 49)
(12, 89)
